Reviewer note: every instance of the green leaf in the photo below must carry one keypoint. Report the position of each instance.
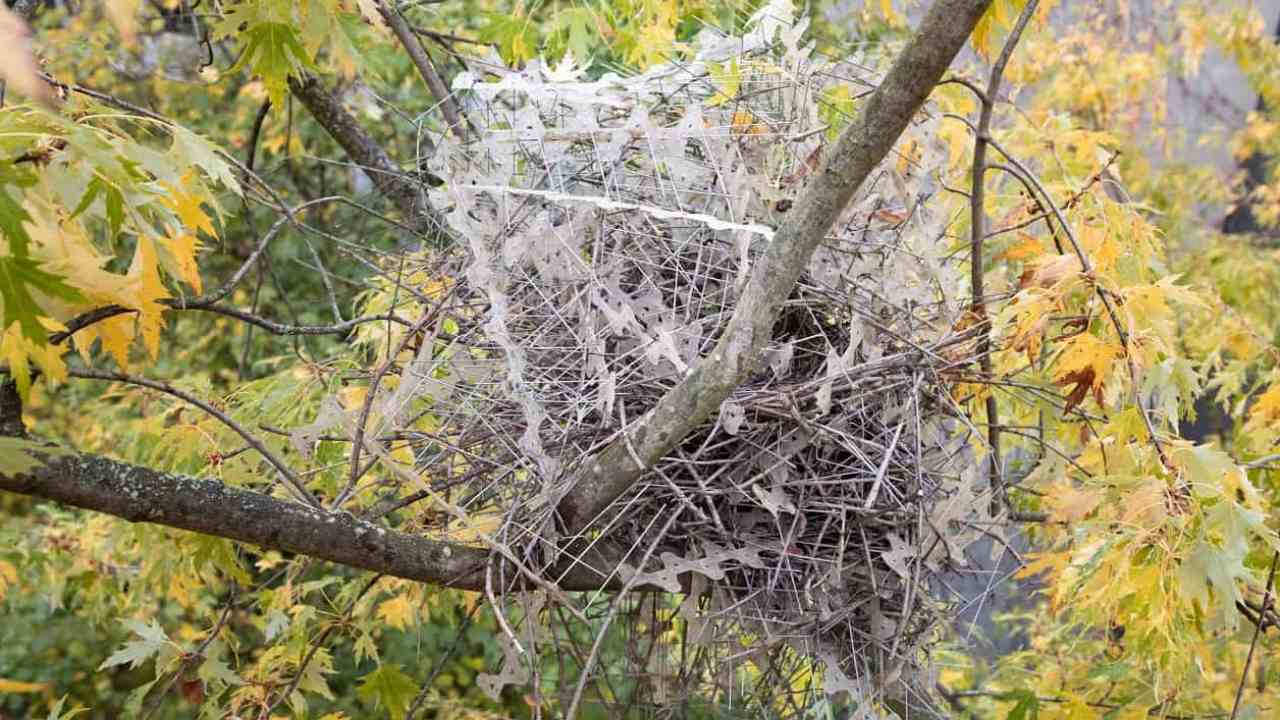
(214, 670)
(579, 24)
(55, 712)
(18, 276)
(273, 51)
(192, 149)
(390, 688)
(1026, 707)
(152, 640)
(11, 218)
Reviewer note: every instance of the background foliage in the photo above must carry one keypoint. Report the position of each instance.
(1142, 394)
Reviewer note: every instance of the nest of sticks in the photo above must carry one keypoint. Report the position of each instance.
(605, 231)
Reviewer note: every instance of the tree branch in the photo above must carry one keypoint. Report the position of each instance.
(406, 193)
(139, 494)
(422, 61)
(978, 230)
(859, 150)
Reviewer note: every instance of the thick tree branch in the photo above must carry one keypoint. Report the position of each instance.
(859, 150)
(139, 494)
(393, 183)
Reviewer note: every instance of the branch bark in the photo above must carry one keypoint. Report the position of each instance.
(422, 61)
(140, 494)
(859, 150)
(392, 182)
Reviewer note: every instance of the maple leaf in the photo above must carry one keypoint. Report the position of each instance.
(22, 282)
(369, 10)
(151, 641)
(398, 612)
(147, 290)
(187, 207)
(273, 51)
(389, 688)
(1086, 362)
(1049, 271)
(1084, 381)
(1266, 409)
(193, 149)
(180, 258)
(744, 123)
(1027, 247)
(1071, 504)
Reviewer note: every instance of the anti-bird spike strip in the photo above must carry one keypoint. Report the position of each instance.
(609, 227)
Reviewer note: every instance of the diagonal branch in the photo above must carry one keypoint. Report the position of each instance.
(422, 61)
(392, 182)
(859, 150)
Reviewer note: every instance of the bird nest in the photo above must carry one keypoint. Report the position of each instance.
(606, 229)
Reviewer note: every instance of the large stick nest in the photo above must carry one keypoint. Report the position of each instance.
(606, 229)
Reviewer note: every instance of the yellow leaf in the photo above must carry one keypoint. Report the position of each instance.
(1146, 505)
(369, 11)
(982, 33)
(398, 612)
(1087, 351)
(744, 123)
(182, 249)
(1070, 504)
(1266, 409)
(475, 526)
(18, 68)
(1052, 563)
(886, 10)
(1050, 271)
(20, 350)
(1026, 248)
(188, 209)
(147, 289)
(17, 686)
(116, 334)
(8, 577)
(352, 397)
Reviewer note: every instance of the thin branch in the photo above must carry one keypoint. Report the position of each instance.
(404, 192)
(978, 234)
(422, 61)
(1102, 294)
(290, 478)
(1257, 632)
(316, 644)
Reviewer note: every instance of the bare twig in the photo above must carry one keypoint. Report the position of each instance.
(289, 477)
(978, 234)
(1257, 632)
(422, 61)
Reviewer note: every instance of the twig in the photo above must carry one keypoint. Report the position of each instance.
(1087, 266)
(422, 61)
(977, 221)
(290, 479)
(572, 712)
(315, 647)
(1257, 632)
